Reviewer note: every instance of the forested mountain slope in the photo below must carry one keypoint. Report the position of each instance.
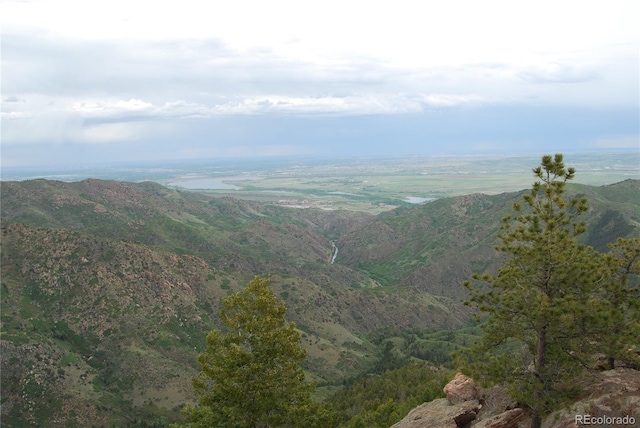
(436, 246)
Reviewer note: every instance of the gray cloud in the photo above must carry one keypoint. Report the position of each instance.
(34, 64)
(209, 74)
(201, 96)
(559, 73)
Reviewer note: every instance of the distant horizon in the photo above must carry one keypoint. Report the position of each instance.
(114, 169)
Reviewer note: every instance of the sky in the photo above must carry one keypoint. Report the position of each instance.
(88, 81)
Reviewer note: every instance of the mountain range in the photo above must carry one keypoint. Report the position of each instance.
(109, 288)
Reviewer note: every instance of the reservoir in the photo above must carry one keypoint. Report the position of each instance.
(418, 200)
(211, 183)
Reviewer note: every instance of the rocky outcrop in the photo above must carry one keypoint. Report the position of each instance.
(459, 409)
(610, 396)
(440, 413)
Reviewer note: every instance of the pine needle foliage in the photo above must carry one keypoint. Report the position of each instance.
(252, 374)
(619, 331)
(553, 302)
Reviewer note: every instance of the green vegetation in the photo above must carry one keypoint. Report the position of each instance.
(617, 334)
(252, 375)
(108, 288)
(554, 301)
(252, 372)
(380, 400)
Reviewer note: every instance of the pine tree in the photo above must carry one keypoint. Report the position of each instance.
(252, 374)
(542, 305)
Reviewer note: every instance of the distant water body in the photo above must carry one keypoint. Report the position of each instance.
(418, 200)
(209, 183)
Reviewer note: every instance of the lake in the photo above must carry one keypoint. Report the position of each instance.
(211, 183)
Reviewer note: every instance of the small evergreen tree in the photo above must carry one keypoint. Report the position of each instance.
(544, 304)
(252, 375)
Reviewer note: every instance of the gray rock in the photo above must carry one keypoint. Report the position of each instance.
(440, 414)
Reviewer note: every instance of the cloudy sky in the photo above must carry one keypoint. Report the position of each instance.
(127, 80)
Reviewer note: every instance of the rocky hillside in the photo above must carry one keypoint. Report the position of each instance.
(109, 289)
(114, 326)
(230, 234)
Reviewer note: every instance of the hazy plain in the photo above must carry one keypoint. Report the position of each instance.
(365, 183)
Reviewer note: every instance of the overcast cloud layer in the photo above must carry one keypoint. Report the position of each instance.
(86, 81)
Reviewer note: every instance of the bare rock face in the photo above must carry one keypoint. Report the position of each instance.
(462, 388)
(508, 419)
(441, 414)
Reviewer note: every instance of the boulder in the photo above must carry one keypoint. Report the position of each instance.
(462, 388)
(441, 414)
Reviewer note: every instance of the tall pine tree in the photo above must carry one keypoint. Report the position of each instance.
(540, 302)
